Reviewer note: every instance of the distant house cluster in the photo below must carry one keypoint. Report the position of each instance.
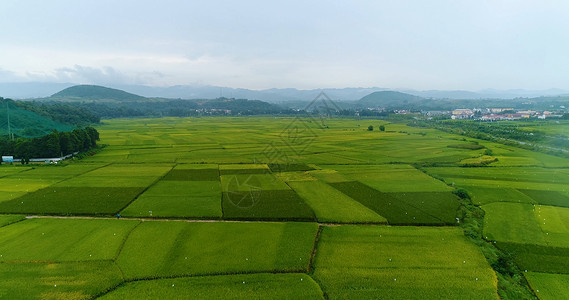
(493, 114)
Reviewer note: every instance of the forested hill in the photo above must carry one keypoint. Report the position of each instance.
(94, 92)
(25, 123)
(388, 99)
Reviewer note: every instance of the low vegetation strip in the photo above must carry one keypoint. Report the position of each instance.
(244, 286)
(165, 249)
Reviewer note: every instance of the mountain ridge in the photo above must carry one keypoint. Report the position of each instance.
(30, 90)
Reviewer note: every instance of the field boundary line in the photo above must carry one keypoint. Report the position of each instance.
(126, 281)
(146, 188)
(314, 248)
(313, 258)
(17, 221)
(124, 242)
(221, 189)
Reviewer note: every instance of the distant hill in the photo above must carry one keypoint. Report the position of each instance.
(389, 99)
(25, 123)
(95, 92)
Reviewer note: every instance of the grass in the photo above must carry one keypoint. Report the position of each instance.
(330, 205)
(179, 248)
(266, 205)
(59, 240)
(69, 280)
(246, 286)
(549, 286)
(72, 200)
(375, 262)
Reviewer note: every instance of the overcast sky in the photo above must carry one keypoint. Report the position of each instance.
(418, 44)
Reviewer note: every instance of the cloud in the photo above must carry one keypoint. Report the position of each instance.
(84, 74)
(9, 76)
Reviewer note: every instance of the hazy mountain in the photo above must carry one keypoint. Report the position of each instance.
(38, 89)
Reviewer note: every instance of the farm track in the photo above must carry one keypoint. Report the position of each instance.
(327, 224)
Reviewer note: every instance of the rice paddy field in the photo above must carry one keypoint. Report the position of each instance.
(280, 208)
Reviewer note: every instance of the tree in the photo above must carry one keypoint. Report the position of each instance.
(381, 128)
(370, 128)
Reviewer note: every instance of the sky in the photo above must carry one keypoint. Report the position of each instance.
(414, 44)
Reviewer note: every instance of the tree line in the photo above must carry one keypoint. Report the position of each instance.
(55, 144)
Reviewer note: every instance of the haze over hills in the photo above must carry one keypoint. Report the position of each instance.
(41, 89)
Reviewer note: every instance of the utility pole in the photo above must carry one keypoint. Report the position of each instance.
(9, 127)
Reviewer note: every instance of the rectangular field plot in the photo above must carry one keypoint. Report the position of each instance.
(528, 224)
(265, 205)
(193, 173)
(547, 197)
(69, 280)
(509, 177)
(181, 248)
(404, 208)
(538, 258)
(512, 222)
(486, 195)
(58, 240)
(392, 178)
(376, 262)
(6, 196)
(173, 198)
(119, 176)
(549, 286)
(278, 168)
(72, 200)
(331, 205)
(243, 169)
(247, 286)
(11, 170)
(248, 182)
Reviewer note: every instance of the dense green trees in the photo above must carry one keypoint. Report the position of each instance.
(55, 144)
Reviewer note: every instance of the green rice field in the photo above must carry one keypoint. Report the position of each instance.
(241, 207)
